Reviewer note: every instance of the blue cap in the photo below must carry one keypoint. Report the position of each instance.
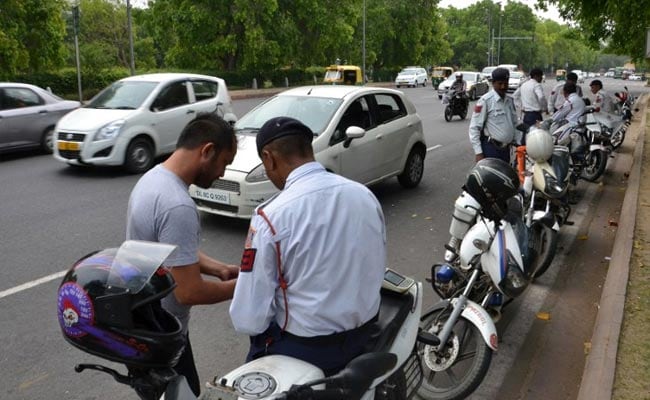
(500, 75)
(278, 127)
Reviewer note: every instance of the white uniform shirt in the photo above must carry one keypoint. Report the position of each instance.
(497, 117)
(556, 99)
(531, 96)
(571, 110)
(604, 102)
(332, 243)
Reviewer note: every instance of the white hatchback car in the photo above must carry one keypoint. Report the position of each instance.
(367, 134)
(411, 76)
(137, 119)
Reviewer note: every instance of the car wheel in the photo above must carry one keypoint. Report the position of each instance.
(47, 141)
(439, 97)
(473, 95)
(413, 169)
(397, 86)
(139, 156)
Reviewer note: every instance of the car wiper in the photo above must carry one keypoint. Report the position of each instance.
(124, 108)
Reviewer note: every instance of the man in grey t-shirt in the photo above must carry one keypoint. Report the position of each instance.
(161, 210)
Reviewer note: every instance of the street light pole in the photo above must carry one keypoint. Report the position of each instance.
(128, 22)
(363, 56)
(499, 48)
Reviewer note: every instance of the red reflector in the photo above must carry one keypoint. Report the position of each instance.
(247, 260)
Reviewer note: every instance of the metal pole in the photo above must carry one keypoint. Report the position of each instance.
(128, 21)
(75, 25)
(499, 48)
(363, 67)
(489, 38)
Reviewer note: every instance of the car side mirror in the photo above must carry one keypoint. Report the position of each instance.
(353, 132)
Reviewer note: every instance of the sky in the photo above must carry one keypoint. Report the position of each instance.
(552, 12)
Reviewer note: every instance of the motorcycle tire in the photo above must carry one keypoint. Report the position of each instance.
(463, 113)
(545, 241)
(460, 369)
(393, 388)
(448, 113)
(595, 164)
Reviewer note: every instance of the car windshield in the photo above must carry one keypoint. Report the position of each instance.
(315, 112)
(488, 70)
(333, 74)
(408, 72)
(124, 95)
(516, 75)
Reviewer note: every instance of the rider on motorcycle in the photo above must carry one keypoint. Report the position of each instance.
(458, 87)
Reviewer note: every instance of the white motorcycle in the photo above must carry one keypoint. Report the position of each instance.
(489, 264)
(132, 275)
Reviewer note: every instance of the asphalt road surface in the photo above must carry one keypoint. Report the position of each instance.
(53, 214)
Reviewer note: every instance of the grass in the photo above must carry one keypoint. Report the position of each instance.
(632, 381)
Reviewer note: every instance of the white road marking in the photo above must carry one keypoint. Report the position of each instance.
(31, 284)
(434, 147)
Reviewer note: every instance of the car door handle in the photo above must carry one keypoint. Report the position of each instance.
(379, 137)
(190, 112)
(43, 112)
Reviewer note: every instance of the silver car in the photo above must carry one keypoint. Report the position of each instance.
(367, 134)
(28, 115)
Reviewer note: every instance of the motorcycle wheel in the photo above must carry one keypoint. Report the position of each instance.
(448, 113)
(618, 137)
(455, 373)
(393, 388)
(595, 164)
(463, 113)
(545, 242)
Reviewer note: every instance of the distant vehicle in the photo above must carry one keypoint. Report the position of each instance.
(509, 67)
(367, 134)
(439, 74)
(618, 72)
(28, 115)
(477, 85)
(560, 75)
(516, 79)
(487, 72)
(138, 118)
(609, 74)
(411, 76)
(581, 75)
(343, 74)
(634, 77)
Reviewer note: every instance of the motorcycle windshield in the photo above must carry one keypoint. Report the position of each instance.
(522, 234)
(136, 262)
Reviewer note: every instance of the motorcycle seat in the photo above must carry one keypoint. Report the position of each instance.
(393, 310)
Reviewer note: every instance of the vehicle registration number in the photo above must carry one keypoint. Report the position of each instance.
(217, 196)
(68, 146)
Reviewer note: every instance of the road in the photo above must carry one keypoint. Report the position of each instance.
(53, 214)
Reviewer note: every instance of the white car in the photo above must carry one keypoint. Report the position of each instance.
(412, 76)
(516, 79)
(137, 119)
(367, 134)
(477, 84)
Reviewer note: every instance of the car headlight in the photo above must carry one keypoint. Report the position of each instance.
(258, 174)
(110, 131)
(515, 282)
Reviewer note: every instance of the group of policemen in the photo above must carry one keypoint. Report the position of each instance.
(492, 129)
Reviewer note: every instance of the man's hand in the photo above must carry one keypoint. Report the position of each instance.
(223, 271)
(479, 157)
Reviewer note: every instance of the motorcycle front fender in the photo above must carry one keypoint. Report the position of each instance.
(538, 215)
(598, 146)
(475, 314)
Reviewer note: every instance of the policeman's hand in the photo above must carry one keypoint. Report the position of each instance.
(479, 157)
(227, 272)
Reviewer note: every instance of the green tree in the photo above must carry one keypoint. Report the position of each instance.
(31, 36)
(621, 24)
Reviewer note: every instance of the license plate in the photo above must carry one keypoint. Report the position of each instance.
(216, 196)
(68, 146)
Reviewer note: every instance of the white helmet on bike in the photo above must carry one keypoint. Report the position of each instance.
(539, 144)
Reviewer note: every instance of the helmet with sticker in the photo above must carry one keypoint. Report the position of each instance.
(109, 305)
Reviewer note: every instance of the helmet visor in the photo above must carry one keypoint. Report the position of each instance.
(136, 262)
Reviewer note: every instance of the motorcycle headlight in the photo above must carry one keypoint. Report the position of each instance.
(258, 174)
(515, 282)
(109, 131)
(551, 185)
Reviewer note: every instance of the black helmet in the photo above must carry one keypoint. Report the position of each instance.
(492, 182)
(109, 305)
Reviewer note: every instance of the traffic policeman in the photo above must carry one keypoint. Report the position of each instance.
(531, 97)
(492, 128)
(556, 99)
(603, 100)
(314, 258)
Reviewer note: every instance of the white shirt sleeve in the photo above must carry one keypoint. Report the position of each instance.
(253, 305)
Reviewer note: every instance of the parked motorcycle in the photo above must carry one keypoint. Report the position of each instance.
(544, 174)
(587, 147)
(109, 306)
(489, 263)
(457, 104)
